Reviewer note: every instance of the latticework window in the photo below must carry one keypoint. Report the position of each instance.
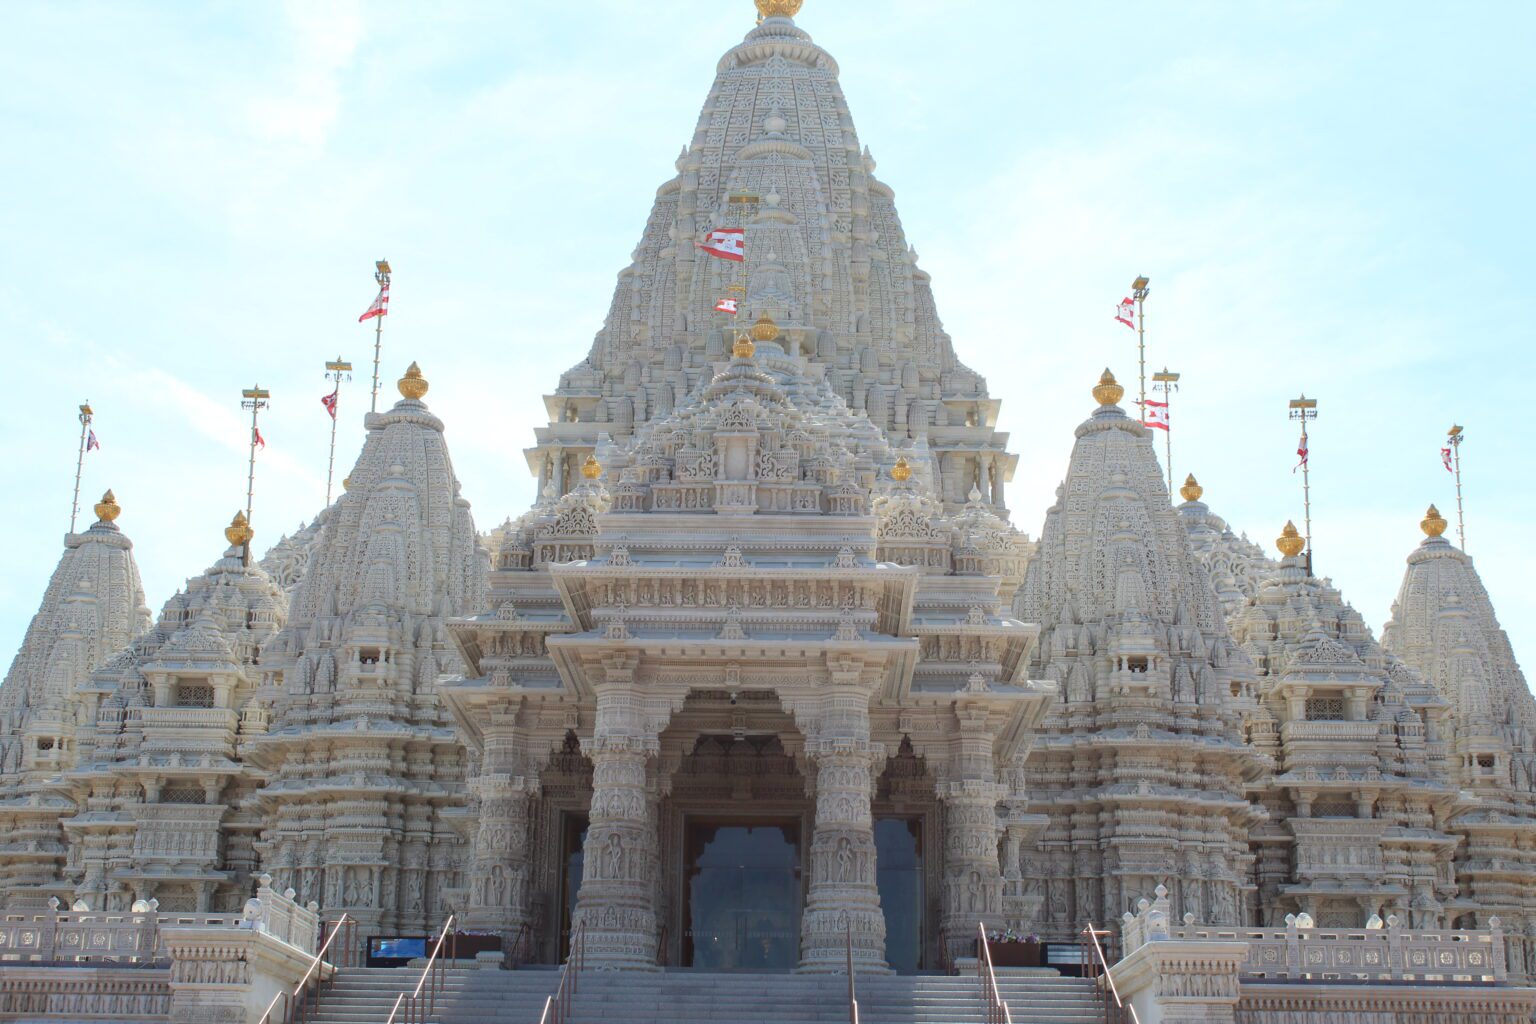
(182, 795)
(1325, 709)
(194, 695)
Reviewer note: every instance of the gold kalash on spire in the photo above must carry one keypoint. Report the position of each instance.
(779, 8)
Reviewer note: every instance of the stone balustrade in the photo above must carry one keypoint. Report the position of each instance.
(1201, 972)
(80, 935)
(1384, 951)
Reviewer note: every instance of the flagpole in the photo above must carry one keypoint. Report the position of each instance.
(1305, 409)
(254, 399)
(381, 275)
(337, 370)
(1453, 438)
(1167, 382)
(1139, 292)
(85, 428)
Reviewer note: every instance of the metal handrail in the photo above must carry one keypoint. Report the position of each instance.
(291, 1007)
(522, 947)
(557, 1008)
(415, 1011)
(997, 1009)
(1108, 988)
(853, 995)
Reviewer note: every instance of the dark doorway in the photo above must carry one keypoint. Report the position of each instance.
(743, 895)
(899, 877)
(573, 840)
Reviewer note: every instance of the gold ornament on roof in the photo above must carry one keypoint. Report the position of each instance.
(1107, 391)
(743, 348)
(765, 329)
(779, 8)
(1433, 524)
(107, 509)
(1290, 542)
(413, 385)
(591, 469)
(346, 483)
(239, 532)
(902, 471)
(1191, 490)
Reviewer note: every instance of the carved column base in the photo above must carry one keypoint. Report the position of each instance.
(843, 899)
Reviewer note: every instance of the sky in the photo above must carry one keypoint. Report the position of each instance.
(1328, 197)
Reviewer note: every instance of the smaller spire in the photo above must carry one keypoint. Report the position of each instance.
(239, 532)
(1433, 524)
(107, 509)
(1191, 491)
(902, 471)
(591, 469)
(1107, 391)
(413, 385)
(1290, 542)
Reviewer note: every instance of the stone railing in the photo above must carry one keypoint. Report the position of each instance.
(1382, 951)
(80, 935)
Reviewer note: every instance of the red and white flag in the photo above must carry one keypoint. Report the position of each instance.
(1445, 457)
(1125, 311)
(329, 401)
(380, 305)
(1156, 415)
(256, 437)
(726, 243)
(1301, 450)
(731, 306)
(90, 440)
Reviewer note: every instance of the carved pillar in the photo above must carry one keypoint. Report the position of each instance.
(616, 906)
(498, 890)
(843, 894)
(973, 878)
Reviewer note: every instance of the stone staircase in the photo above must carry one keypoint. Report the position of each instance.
(482, 996)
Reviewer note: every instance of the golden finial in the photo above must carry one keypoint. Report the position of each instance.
(779, 8)
(743, 348)
(902, 471)
(1433, 524)
(591, 469)
(107, 509)
(1107, 391)
(1290, 542)
(413, 385)
(1191, 489)
(238, 532)
(346, 483)
(765, 329)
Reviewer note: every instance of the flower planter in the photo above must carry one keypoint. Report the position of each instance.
(1014, 954)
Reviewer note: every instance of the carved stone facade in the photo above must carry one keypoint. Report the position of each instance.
(770, 582)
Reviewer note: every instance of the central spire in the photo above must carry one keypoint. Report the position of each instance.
(775, 163)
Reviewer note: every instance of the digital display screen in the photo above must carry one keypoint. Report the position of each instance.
(397, 947)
